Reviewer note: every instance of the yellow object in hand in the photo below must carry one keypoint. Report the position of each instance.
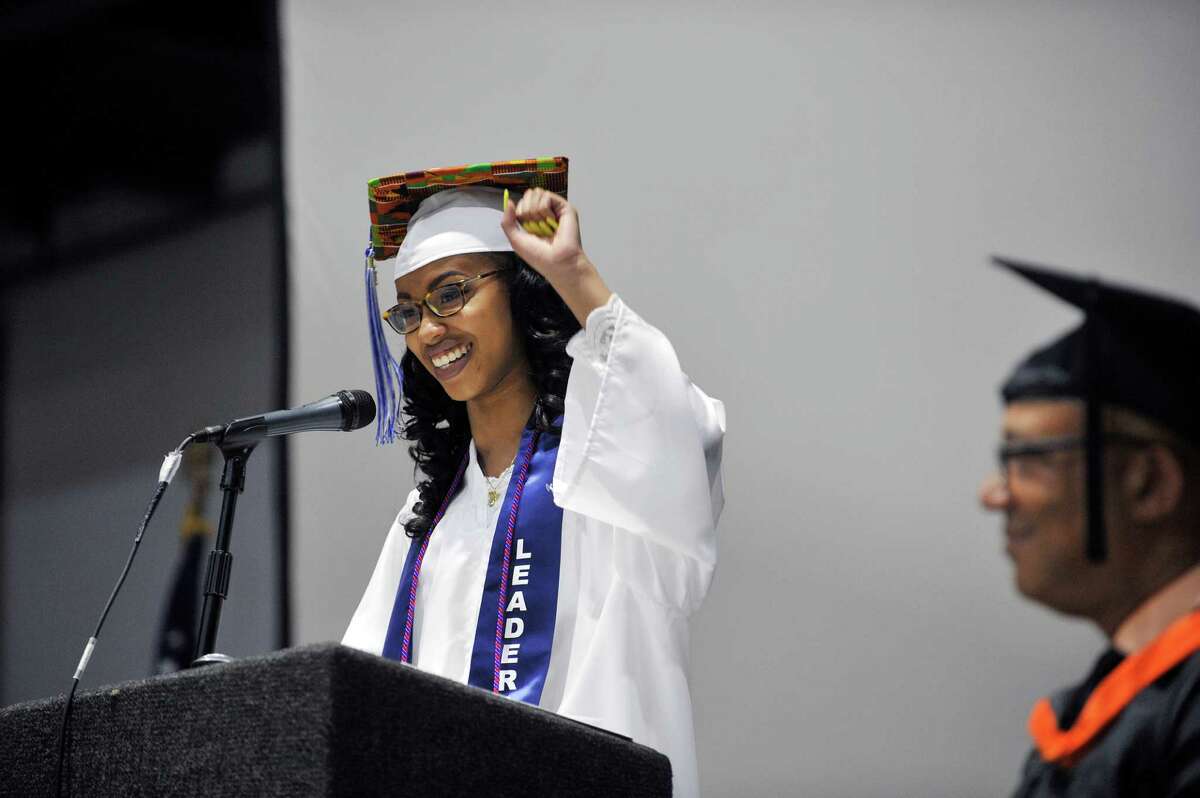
(545, 228)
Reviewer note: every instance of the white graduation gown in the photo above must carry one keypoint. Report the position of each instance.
(638, 477)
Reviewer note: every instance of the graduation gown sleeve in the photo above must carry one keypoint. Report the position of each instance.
(641, 450)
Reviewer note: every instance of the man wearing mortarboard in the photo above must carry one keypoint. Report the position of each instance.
(1099, 484)
(562, 531)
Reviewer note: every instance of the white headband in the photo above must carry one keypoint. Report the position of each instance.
(453, 222)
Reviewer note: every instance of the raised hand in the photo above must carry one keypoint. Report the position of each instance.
(543, 229)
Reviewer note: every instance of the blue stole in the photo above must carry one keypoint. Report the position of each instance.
(515, 629)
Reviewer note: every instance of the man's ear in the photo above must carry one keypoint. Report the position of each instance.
(1152, 483)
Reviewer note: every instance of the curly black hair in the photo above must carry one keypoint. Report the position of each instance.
(438, 426)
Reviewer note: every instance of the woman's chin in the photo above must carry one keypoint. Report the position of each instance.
(460, 389)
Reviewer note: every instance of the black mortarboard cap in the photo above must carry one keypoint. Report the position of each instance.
(1134, 350)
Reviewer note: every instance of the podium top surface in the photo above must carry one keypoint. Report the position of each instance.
(316, 720)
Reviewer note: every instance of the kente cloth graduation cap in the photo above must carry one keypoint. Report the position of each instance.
(394, 199)
(423, 216)
(1134, 350)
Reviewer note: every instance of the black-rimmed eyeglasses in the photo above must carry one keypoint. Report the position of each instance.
(1027, 456)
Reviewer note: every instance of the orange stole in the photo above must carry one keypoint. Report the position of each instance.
(1135, 673)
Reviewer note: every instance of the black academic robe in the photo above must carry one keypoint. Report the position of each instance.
(1151, 749)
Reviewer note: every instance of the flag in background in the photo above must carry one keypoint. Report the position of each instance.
(177, 637)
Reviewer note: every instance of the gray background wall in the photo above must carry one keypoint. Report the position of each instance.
(802, 197)
(108, 365)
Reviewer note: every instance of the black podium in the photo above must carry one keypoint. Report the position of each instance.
(320, 720)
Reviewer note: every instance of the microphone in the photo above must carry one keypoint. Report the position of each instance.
(344, 410)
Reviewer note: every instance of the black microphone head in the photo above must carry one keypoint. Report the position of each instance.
(358, 409)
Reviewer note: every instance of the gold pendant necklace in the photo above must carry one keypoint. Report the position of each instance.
(494, 485)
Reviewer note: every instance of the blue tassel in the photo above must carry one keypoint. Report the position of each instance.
(389, 382)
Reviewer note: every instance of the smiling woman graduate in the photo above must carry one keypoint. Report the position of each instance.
(563, 531)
